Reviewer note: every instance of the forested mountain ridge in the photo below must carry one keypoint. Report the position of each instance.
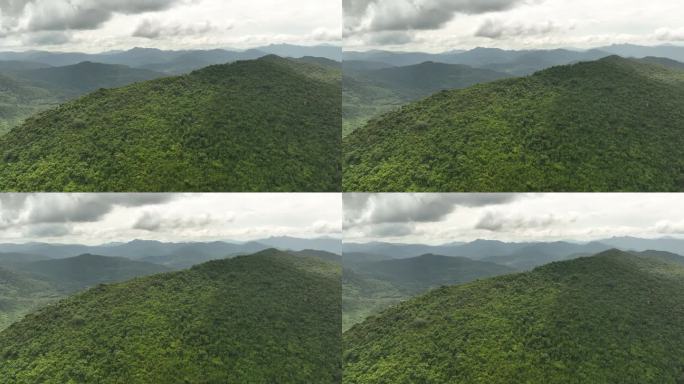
(610, 125)
(21, 294)
(267, 317)
(610, 318)
(248, 126)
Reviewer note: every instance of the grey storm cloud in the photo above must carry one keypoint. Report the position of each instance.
(49, 230)
(59, 15)
(361, 16)
(154, 29)
(373, 209)
(48, 38)
(392, 230)
(20, 209)
(151, 222)
(499, 222)
(497, 29)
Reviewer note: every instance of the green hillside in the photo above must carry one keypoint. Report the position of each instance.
(264, 318)
(85, 271)
(370, 93)
(21, 294)
(608, 125)
(79, 79)
(611, 318)
(248, 126)
(19, 100)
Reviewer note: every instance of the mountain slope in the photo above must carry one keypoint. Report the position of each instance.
(264, 318)
(80, 272)
(368, 288)
(609, 125)
(79, 79)
(19, 100)
(21, 294)
(611, 318)
(248, 126)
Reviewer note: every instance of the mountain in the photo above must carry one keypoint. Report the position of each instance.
(327, 244)
(608, 125)
(322, 255)
(370, 93)
(249, 126)
(21, 294)
(611, 318)
(80, 272)
(264, 318)
(13, 66)
(12, 259)
(630, 50)
(331, 52)
(79, 79)
(667, 244)
(419, 274)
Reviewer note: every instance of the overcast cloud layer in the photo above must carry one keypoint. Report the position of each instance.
(102, 218)
(97, 25)
(444, 218)
(442, 25)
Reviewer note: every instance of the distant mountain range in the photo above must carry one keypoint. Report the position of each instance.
(187, 253)
(519, 62)
(173, 62)
(505, 252)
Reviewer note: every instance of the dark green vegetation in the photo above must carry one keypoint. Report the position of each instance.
(21, 294)
(19, 100)
(610, 125)
(80, 272)
(372, 286)
(368, 93)
(79, 79)
(266, 318)
(263, 125)
(611, 318)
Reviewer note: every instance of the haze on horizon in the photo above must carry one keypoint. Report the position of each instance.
(437, 219)
(444, 25)
(94, 26)
(100, 218)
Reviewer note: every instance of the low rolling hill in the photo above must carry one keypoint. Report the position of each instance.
(372, 92)
(609, 125)
(261, 125)
(264, 318)
(21, 294)
(80, 79)
(85, 271)
(368, 288)
(611, 318)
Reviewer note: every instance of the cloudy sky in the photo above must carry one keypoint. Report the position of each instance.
(444, 218)
(99, 25)
(442, 25)
(100, 218)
